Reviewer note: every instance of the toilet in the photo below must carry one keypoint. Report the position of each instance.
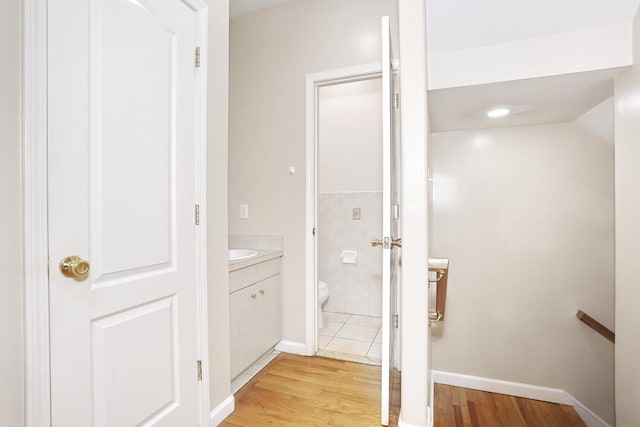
(323, 296)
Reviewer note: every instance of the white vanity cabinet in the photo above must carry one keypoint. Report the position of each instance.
(254, 303)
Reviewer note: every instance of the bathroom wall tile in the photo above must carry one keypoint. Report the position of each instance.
(375, 304)
(348, 346)
(357, 304)
(352, 288)
(336, 302)
(364, 321)
(358, 332)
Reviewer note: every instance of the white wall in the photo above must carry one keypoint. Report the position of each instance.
(525, 215)
(414, 296)
(216, 214)
(11, 277)
(271, 52)
(599, 121)
(350, 135)
(627, 157)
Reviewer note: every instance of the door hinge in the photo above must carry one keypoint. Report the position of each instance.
(197, 214)
(313, 231)
(396, 100)
(198, 57)
(395, 321)
(199, 370)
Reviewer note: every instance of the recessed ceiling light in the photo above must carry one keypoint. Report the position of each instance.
(498, 112)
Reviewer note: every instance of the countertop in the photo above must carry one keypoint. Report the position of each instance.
(263, 255)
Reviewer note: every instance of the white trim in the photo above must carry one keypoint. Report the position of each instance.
(35, 131)
(529, 391)
(37, 373)
(313, 82)
(222, 411)
(200, 8)
(311, 297)
(292, 347)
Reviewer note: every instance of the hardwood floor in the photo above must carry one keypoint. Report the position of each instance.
(458, 407)
(315, 391)
(312, 391)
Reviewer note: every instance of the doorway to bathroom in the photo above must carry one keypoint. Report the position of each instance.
(349, 214)
(350, 162)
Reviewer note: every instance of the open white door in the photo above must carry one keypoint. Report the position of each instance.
(391, 244)
(122, 188)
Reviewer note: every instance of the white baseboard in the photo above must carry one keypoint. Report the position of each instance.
(529, 391)
(292, 347)
(222, 411)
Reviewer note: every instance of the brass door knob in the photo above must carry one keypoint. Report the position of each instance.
(74, 266)
(376, 242)
(396, 242)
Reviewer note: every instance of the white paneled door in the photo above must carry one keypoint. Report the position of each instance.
(122, 188)
(390, 223)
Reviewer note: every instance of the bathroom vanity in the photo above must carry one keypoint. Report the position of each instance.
(254, 303)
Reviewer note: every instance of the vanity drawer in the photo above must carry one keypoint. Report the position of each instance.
(247, 276)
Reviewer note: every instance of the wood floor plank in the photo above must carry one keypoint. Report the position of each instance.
(315, 391)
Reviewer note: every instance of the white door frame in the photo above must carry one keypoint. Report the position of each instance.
(313, 82)
(36, 279)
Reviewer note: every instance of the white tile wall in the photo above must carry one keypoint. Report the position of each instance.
(353, 288)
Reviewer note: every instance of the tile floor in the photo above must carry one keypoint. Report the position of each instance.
(351, 337)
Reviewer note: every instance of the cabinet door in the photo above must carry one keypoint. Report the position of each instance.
(269, 313)
(244, 334)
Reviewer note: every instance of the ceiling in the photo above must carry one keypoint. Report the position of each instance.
(240, 7)
(552, 99)
(465, 24)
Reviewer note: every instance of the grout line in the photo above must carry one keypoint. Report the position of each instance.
(355, 340)
(370, 345)
(339, 329)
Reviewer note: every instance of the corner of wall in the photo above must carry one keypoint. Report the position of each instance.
(216, 213)
(627, 245)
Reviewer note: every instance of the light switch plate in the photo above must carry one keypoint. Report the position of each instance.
(244, 211)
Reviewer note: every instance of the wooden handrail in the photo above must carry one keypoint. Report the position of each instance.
(596, 326)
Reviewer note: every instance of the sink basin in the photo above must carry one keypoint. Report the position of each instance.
(238, 254)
